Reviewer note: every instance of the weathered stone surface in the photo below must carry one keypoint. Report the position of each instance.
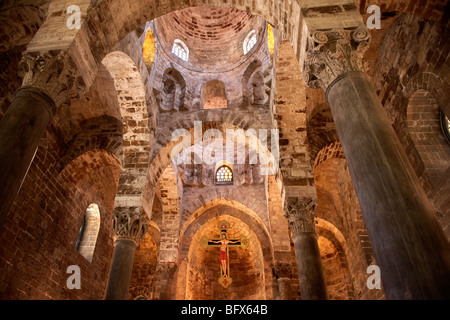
(109, 143)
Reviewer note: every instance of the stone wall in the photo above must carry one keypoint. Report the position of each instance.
(42, 228)
(417, 60)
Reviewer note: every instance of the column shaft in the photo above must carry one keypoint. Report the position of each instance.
(408, 241)
(21, 129)
(299, 213)
(121, 270)
(284, 288)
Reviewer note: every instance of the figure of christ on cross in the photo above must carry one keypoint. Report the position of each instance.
(223, 257)
(224, 243)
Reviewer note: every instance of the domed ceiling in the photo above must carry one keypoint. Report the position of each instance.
(214, 36)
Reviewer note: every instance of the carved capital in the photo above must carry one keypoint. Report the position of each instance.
(54, 73)
(283, 270)
(330, 54)
(300, 215)
(166, 269)
(130, 224)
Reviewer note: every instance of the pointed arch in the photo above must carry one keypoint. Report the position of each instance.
(136, 127)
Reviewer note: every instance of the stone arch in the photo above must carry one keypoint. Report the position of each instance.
(102, 132)
(133, 15)
(279, 230)
(196, 173)
(432, 83)
(91, 160)
(143, 278)
(250, 217)
(321, 130)
(249, 42)
(213, 210)
(19, 24)
(161, 153)
(419, 69)
(329, 168)
(341, 284)
(424, 127)
(80, 179)
(253, 85)
(180, 49)
(399, 75)
(167, 191)
(89, 232)
(224, 174)
(214, 95)
(191, 170)
(422, 82)
(92, 122)
(135, 120)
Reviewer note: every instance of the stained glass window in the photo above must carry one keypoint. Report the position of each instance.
(224, 174)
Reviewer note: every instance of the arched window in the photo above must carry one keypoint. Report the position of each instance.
(427, 129)
(149, 49)
(270, 40)
(213, 95)
(87, 237)
(80, 233)
(445, 122)
(180, 50)
(224, 175)
(249, 41)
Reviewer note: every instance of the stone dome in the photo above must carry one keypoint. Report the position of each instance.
(213, 35)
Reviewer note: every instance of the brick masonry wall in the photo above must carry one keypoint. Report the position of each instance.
(431, 10)
(246, 266)
(339, 208)
(144, 276)
(415, 55)
(39, 235)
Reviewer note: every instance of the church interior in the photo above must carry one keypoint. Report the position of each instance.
(224, 150)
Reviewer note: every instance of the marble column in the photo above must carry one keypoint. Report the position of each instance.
(409, 244)
(309, 262)
(49, 80)
(282, 272)
(130, 226)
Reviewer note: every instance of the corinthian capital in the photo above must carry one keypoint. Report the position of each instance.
(300, 215)
(330, 54)
(130, 224)
(54, 73)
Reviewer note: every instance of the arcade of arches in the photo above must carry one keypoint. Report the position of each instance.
(316, 146)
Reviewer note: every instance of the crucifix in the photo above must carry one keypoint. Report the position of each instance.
(224, 243)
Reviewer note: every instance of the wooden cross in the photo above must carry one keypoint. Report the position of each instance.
(224, 279)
